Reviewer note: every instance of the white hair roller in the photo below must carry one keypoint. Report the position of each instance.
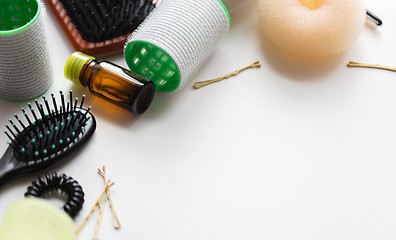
(174, 41)
(233, 5)
(25, 71)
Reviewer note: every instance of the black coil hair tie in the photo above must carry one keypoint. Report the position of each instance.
(62, 183)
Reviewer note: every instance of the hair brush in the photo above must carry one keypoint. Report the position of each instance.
(46, 137)
(100, 27)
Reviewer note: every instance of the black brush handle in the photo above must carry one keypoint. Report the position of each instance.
(8, 166)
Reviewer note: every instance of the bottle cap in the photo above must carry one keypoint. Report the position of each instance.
(75, 64)
(34, 219)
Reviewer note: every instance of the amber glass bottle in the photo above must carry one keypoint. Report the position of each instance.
(111, 82)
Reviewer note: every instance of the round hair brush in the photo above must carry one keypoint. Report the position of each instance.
(47, 136)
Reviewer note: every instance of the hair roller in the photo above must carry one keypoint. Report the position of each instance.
(25, 71)
(174, 41)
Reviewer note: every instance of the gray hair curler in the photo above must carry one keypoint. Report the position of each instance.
(25, 71)
(174, 41)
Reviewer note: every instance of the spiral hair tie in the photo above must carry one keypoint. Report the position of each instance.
(63, 183)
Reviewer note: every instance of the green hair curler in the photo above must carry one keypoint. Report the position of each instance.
(175, 40)
(34, 219)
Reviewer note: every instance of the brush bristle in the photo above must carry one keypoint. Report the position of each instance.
(101, 20)
(49, 130)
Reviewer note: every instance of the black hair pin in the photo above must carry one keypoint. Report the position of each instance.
(374, 18)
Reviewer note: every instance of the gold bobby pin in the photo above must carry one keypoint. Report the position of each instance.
(108, 185)
(116, 221)
(356, 64)
(100, 217)
(198, 85)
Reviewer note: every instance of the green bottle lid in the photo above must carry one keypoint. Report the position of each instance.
(75, 64)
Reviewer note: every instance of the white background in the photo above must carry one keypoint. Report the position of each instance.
(293, 150)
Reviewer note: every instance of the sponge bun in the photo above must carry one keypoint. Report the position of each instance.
(312, 27)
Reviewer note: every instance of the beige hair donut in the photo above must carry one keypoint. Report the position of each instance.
(312, 27)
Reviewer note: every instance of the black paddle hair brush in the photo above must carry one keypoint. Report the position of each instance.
(47, 136)
(100, 27)
(101, 20)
